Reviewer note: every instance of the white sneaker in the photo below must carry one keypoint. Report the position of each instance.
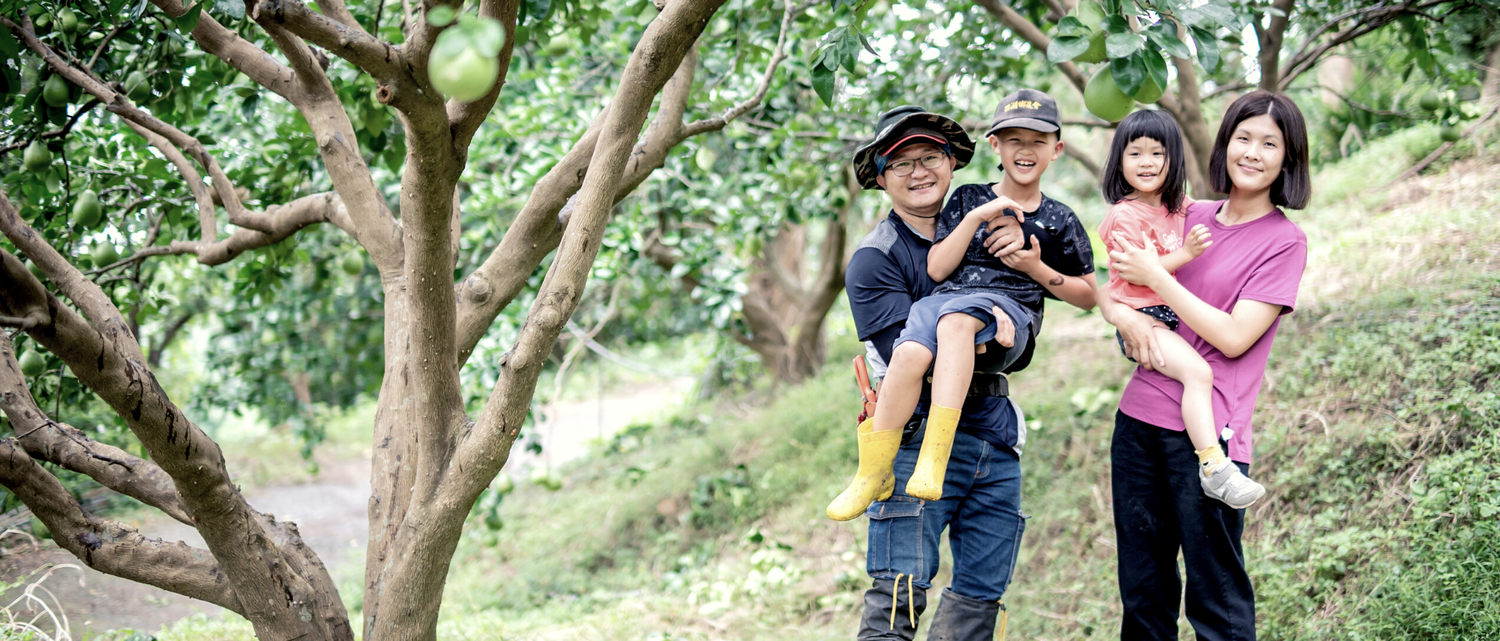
(1228, 484)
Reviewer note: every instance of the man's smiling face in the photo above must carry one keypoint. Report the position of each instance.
(1025, 153)
(923, 191)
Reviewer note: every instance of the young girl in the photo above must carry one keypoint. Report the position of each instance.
(1230, 301)
(1143, 179)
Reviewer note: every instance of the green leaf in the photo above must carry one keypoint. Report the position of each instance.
(441, 16)
(1220, 14)
(1065, 48)
(1071, 26)
(1129, 73)
(1208, 49)
(1121, 45)
(1156, 67)
(1164, 34)
(8, 44)
(189, 21)
(232, 8)
(822, 81)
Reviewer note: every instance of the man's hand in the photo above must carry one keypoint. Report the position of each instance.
(1025, 261)
(1005, 331)
(1005, 236)
(1197, 240)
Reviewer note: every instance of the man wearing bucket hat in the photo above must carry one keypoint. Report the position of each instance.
(912, 158)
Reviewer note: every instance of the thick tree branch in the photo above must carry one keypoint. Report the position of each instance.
(467, 116)
(254, 62)
(112, 547)
(1270, 44)
(285, 220)
(1365, 21)
(1029, 32)
(71, 449)
(1187, 107)
(340, 37)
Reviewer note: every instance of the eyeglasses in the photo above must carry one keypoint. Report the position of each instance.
(904, 168)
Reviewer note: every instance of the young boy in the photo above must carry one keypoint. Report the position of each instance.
(957, 317)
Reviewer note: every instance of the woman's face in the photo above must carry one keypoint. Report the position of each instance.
(1144, 164)
(1255, 153)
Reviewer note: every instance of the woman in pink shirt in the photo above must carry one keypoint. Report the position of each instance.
(1143, 180)
(1230, 301)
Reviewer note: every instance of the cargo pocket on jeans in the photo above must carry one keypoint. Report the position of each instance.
(895, 545)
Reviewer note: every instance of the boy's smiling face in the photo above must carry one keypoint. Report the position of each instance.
(1025, 153)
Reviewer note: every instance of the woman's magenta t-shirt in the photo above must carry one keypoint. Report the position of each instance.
(1261, 260)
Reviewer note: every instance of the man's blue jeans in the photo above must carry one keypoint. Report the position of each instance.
(981, 507)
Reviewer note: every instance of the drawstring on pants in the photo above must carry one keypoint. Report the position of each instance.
(911, 607)
(1004, 614)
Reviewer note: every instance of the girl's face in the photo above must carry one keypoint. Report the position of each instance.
(1145, 165)
(1255, 154)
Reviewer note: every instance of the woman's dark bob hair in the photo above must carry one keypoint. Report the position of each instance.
(1158, 126)
(1293, 188)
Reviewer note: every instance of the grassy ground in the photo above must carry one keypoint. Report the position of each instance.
(1378, 435)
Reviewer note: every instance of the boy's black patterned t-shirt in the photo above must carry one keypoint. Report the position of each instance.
(1064, 242)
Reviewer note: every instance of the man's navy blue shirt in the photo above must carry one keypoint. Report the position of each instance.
(886, 274)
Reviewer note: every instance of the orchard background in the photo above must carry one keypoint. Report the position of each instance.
(416, 220)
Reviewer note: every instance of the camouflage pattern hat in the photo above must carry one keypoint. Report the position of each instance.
(891, 129)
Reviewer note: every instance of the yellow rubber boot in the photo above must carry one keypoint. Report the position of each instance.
(926, 481)
(875, 479)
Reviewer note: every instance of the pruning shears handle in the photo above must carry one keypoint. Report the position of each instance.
(866, 392)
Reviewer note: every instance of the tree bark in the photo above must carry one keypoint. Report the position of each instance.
(1270, 38)
(1490, 90)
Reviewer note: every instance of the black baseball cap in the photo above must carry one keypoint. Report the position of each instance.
(909, 124)
(1026, 109)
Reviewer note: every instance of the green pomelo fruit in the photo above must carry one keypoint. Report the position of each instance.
(352, 265)
(1149, 92)
(558, 45)
(1450, 134)
(1095, 52)
(503, 484)
(67, 20)
(136, 87)
(37, 157)
(86, 210)
(1104, 98)
(465, 76)
(706, 159)
(1430, 101)
(32, 364)
(104, 255)
(55, 91)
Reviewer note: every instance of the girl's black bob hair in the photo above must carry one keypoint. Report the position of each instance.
(1158, 126)
(1293, 187)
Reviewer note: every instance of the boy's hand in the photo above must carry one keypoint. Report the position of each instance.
(1024, 260)
(994, 209)
(1197, 240)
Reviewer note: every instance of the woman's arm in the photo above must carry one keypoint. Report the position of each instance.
(1135, 329)
(1231, 333)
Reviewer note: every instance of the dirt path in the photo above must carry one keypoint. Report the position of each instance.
(330, 514)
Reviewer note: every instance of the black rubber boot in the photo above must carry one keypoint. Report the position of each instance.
(960, 618)
(906, 601)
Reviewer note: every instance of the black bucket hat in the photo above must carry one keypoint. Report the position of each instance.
(892, 127)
